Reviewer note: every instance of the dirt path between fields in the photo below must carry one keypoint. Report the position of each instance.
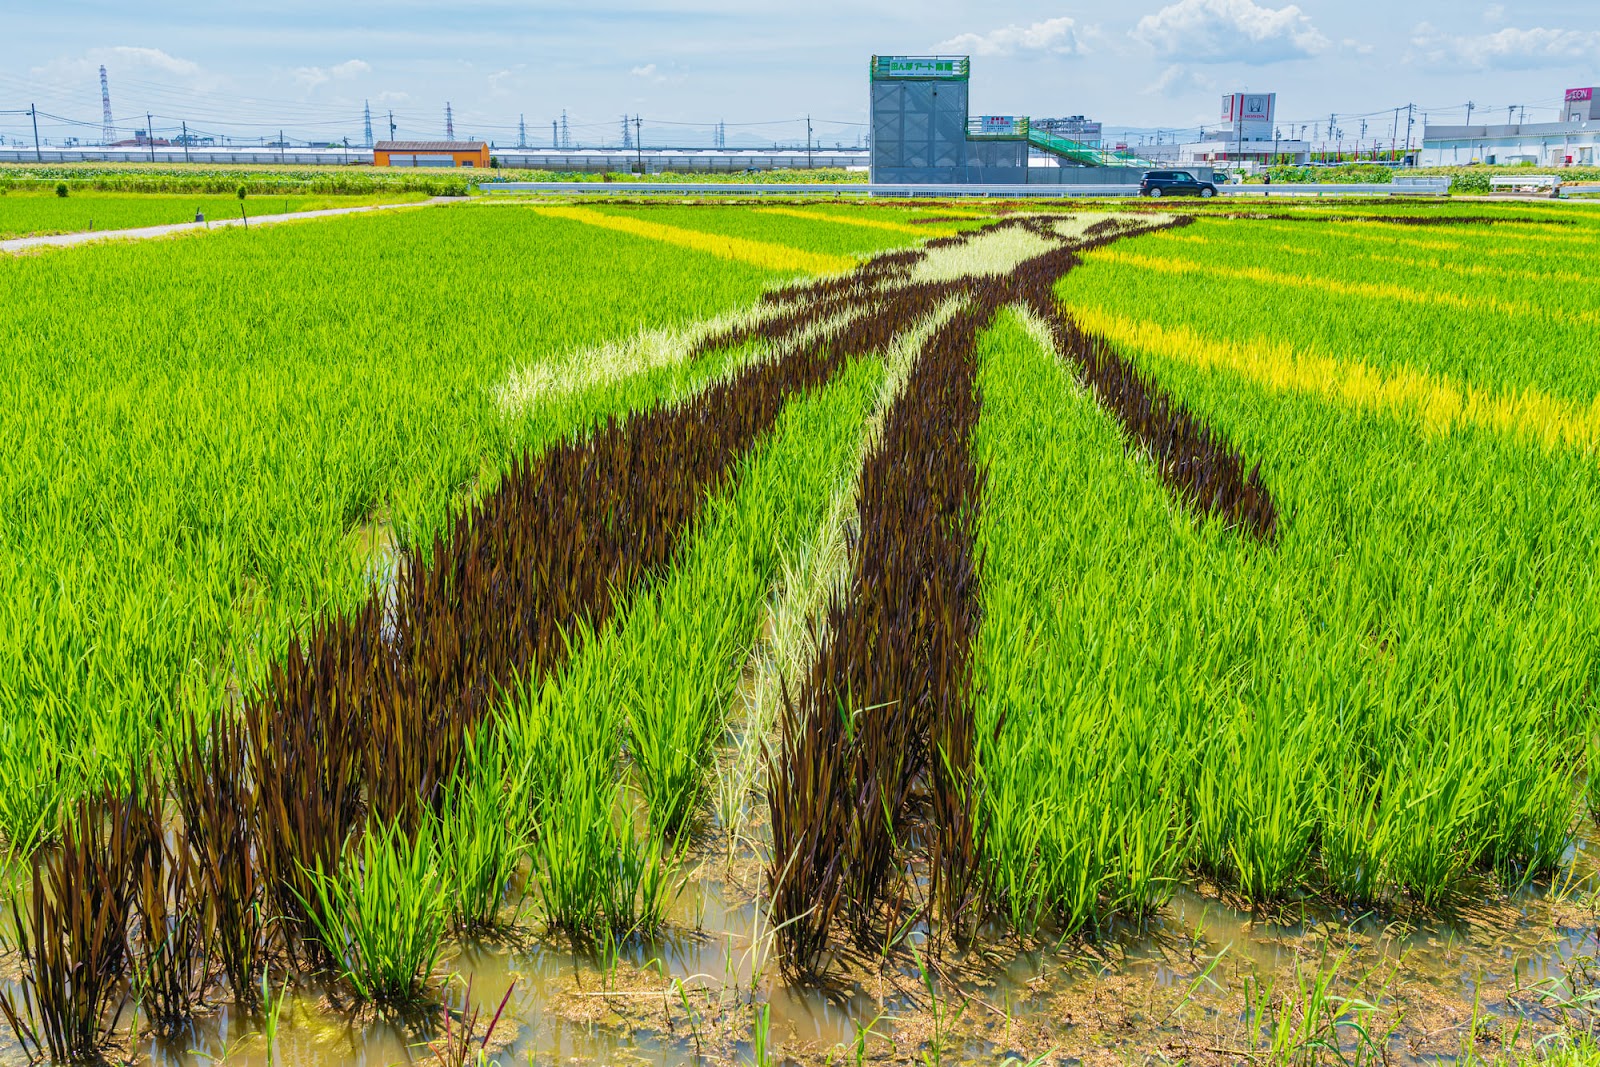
(66, 240)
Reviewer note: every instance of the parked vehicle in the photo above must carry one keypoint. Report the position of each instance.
(1174, 183)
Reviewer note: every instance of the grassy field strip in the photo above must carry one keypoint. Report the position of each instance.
(1438, 404)
(864, 221)
(1374, 291)
(744, 250)
(796, 611)
(661, 678)
(41, 242)
(31, 214)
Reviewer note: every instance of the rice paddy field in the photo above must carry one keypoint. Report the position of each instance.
(529, 632)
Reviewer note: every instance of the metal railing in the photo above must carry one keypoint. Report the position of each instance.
(1088, 155)
(626, 189)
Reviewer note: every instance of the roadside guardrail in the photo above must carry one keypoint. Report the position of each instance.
(1419, 187)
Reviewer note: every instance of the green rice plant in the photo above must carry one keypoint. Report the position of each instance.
(1255, 808)
(596, 872)
(37, 780)
(1356, 819)
(1530, 807)
(676, 690)
(1439, 790)
(484, 831)
(382, 914)
(1591, 775)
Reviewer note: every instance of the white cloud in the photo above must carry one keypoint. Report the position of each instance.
(1062, 36)
(1178, 79)
(646, 71)
(124, 60)
(1494, 13)
(1507, 49)
(1219, 31)
(311, 77)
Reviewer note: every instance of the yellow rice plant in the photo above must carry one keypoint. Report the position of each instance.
(1376, 291)
(887, 225)
(741, 249)
(1437, 402)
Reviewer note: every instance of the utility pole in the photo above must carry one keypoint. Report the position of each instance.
(1394, 135)
(555, 141)
(808, 142)
(1509, 109)
(449, 123)
(638, 140)
(1470, 106)
(1411, 110)
(282, 144)
(391, 125)
(33, 113)
(186, 140)
(150, 134)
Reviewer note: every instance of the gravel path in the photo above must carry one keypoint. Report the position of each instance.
(66, 240)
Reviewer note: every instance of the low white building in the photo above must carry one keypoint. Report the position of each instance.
(1544, 144)
(1572, 142)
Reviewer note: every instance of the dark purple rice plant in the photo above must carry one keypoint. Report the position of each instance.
(216, 799)
(73, 938)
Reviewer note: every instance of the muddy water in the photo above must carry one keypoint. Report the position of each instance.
(1205, 979)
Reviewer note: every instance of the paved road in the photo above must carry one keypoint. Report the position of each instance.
(65, 240)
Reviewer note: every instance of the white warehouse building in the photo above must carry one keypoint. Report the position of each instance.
(1572, 142)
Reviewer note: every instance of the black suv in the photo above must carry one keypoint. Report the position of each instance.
(1174, 183)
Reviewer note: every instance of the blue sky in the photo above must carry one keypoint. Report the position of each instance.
(760, 66)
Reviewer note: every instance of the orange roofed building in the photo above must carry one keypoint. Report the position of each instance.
(430, 154)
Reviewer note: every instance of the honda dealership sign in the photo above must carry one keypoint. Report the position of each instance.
(1250, 114)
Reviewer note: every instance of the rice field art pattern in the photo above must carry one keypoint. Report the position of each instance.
(882, 642)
